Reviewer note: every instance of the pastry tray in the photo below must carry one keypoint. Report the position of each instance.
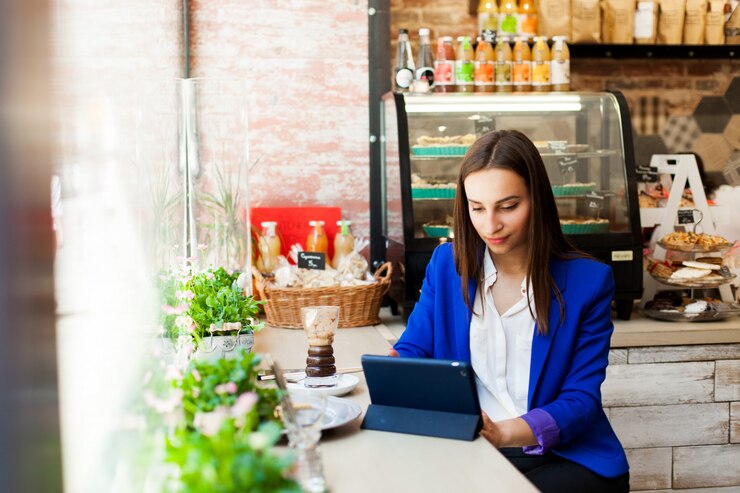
(583, 229)
(437, 231)
(725, 311)
(452, 150)
(433, 193)
(694, 248)
(695, 283)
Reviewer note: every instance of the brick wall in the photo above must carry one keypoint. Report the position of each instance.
(305, 63)
(664, 95)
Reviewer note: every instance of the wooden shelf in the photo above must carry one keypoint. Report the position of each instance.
(654, 51)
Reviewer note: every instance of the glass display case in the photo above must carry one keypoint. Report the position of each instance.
(585, 140)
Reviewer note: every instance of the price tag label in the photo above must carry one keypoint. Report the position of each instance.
(647, 174)
(484, 125)
(724, 271)
(567, 164)
(595, 201)
(686, 216)
(312, 260)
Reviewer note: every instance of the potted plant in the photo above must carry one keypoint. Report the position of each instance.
(207, 312)
(219, 316)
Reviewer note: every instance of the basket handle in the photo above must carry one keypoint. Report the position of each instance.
(260, 282)
(384, 272)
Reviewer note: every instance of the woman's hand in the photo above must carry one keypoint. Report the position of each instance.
(393, 352)
(507, 433)
(492, 432)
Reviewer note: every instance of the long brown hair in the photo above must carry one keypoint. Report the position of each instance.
(512, 150)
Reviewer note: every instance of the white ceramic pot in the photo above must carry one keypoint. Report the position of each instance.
(213, 347)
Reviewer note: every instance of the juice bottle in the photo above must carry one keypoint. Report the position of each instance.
(403, 70)
(425, 63)
(484, 63)
(487, 16)
(465, 65)
(527, 19)
(444, 66)
(560, 64)
(317, 240)
(269, 247)
(344, 243)
(521, 70)
(503, 65)
(540, 65)
(507, 18)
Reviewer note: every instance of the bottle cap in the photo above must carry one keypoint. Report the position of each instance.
(446, 39)
(562, 38)
(315, 223)
(423, 31)
(268, 224)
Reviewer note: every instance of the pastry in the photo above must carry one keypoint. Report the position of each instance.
(690, 273)
(701, 265)
(451, 140)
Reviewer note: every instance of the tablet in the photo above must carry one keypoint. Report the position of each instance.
(422, 396)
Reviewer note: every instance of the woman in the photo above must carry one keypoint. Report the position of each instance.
(531, 314)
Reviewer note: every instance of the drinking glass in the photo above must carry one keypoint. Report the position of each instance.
(304, 431)
(320, 324)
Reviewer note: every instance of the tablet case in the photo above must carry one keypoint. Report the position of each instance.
(421, 397)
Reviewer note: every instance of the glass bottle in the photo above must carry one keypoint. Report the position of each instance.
(503, 65)
(269, 247)
(425, 62)
(507, 18)
(317, 240)
(521, 70)
(465, 65)
(487, 16)
(403, 70)
(527, 19)
(560, 64)
(484, 63)
(540, 65)
(444, 66)
(344, 243)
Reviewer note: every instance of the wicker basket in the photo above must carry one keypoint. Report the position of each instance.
(359, 305)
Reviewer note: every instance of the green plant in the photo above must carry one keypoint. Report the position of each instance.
(215, 298)
(223, 442)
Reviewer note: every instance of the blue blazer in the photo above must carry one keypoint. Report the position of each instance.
(568, 364)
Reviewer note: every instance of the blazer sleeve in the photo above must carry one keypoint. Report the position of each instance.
(579, 401)
(417, 341)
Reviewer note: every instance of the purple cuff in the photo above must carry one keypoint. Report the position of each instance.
(545, 430)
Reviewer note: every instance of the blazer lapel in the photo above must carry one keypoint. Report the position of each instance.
(541, 343)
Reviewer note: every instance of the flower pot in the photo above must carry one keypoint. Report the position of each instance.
(223, 346)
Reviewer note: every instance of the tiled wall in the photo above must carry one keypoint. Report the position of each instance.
(676, 105)
(306, 65)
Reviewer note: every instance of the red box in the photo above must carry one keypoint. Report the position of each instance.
(292, 223)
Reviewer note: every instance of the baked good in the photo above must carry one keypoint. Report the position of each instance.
(690, 273)
(689, 239)
(449, 140)
(647, 201)
(701, 265)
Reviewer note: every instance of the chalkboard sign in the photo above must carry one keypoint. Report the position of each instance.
(312, 260)
(686, 216)
(567, 164)
(595, 200)
(647, 174)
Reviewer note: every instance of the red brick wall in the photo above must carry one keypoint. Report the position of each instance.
(305, 62)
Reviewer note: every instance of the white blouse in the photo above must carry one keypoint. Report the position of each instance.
(501, 349)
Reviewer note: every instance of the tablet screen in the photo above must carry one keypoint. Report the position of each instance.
(432, 384)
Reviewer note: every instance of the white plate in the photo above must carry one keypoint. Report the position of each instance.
(346, 384)
(339, 412)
